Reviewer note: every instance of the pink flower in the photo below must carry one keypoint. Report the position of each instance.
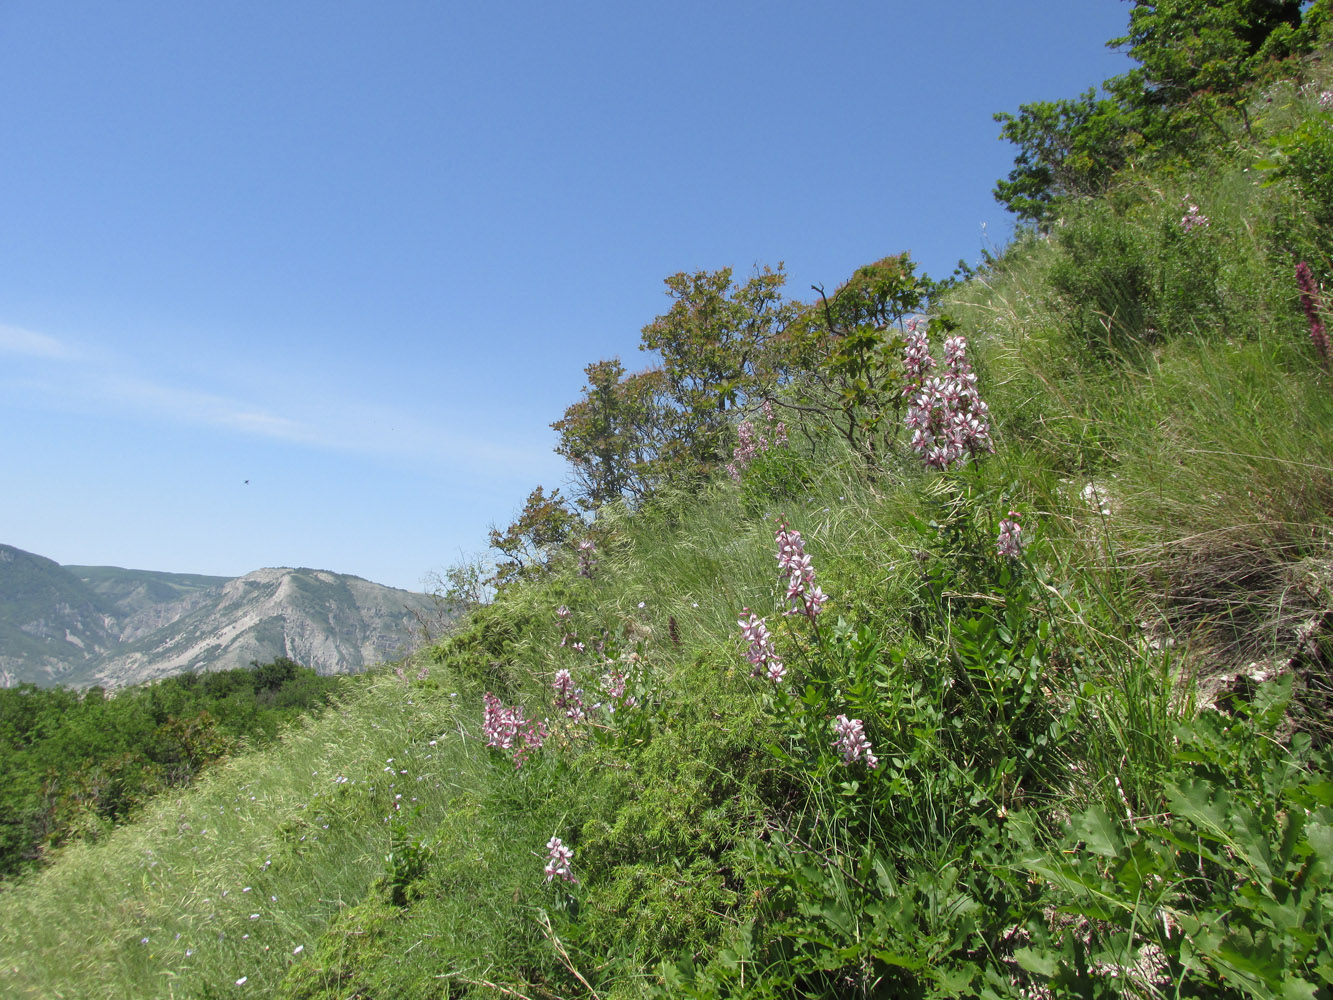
(851, 742)
(587, 549)
(509, 729)
(917, 360)
(1193, 219)
(1311, 304)
(804, 596)
(761, 652)
(568, 698)
(1009, 542)
(558, 858)
(752, 442)
(949, 421)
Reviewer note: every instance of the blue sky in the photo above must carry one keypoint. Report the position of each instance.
(359, 253)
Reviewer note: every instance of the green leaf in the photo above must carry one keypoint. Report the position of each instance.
(1298, 989)
(1099, 833)
(1040, 963)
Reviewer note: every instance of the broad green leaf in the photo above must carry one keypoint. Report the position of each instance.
(1099, 833)
(1041, 963)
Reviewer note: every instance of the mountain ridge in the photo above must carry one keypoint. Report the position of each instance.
(109, 626)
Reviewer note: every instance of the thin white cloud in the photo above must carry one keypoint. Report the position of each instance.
(107, 384)
(27, 343)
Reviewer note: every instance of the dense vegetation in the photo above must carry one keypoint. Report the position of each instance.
(929, 639)
(77, 763)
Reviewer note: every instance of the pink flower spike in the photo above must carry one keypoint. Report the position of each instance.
(558, 858)
(852, 743)
(1009, 542)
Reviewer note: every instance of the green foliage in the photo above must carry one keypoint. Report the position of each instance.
(1067, 148)
(843, 356)
(1128, 278)
(620, 438)
(77, 765)
(1222, 894)
(1304, 155)
(1196, 60)
(716, 343)
(528, 545)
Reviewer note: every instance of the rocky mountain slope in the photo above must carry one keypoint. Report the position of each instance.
(82, 625)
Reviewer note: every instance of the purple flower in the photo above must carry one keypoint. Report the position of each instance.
(851, 742)
(587, 549)
(1193, 218)
(568, 698)
(1311, 304)
(510, 729)
(558, 858)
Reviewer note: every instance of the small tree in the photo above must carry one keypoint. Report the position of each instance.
(529, 543)
(845, 350)
(716, 345)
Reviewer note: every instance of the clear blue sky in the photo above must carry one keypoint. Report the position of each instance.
(358, 253)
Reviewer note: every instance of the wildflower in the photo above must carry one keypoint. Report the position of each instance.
(753, 442)
(917, 360)
(562, 613)
(1326, 99)
(948, 420)
(761, 652)
(804, 596)
(298, 949)
(509, 729)
(1009, 543)
(242, 981)
(586, 561)
(568, 698)
(1311, 304)
(559, 857)
(851, 742)
(1193, 218)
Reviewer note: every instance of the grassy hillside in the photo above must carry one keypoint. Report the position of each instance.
(1059, 730)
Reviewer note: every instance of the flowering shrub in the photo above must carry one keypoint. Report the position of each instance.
(805, 597)
(948, 420)
(761, 652)
(587, 549)
(510, 729)
(568, 698)
(753, 442)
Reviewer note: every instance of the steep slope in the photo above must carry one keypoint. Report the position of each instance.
(81, 625)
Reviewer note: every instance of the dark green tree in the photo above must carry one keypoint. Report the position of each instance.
(716, 345)
(1196, 60)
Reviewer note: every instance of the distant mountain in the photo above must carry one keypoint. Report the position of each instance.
(82, 625)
